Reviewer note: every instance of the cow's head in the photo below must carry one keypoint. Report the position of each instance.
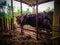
(18, 19)
(21, 19)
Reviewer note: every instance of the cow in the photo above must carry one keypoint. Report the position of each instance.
(44, 20)
(29, 19)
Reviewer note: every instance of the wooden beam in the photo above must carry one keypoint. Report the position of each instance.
(32, 4)
(42, 2)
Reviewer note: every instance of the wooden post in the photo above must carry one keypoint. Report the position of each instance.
(12, 20)
(2, 25)
(56, 23)
(33, 9)
(6, 24)
(21, 14)
(9, 24)
(37, 19)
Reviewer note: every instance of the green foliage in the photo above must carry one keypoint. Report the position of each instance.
(9, 7)
(47, 10)
(2, 4)
(17, 13)
(51, 10)
(27, 11)
(15, 20)
(2, 14)
(8, 16)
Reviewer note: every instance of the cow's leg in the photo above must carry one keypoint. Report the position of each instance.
(37, 33)
(22, 29)
(40, 34)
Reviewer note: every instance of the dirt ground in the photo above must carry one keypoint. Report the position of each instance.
(14, 37)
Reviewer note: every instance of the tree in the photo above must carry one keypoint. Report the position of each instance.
(27, 11)
(2, 16)
(49, 9)
(2, 5)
